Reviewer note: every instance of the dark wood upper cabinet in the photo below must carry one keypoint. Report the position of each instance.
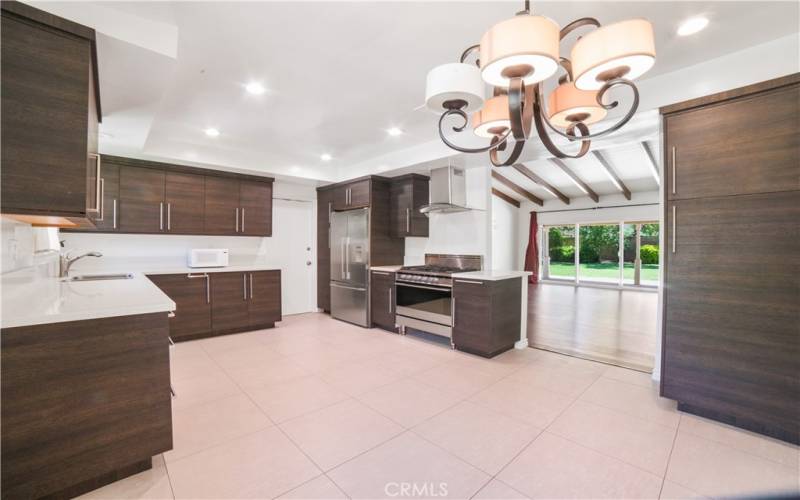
(184, 203)
(222, 206)
(745, 145)
(141, 200)
(51, 107)
(324, 209)
(408, 194)
(382, 299)
(486, 315)
(351, 195)
(264, 298)
(255, 200)
(229, 306)
(192, 296)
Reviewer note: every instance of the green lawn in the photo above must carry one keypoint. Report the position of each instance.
(603, 271)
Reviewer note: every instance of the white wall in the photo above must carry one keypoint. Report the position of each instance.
(505, 235)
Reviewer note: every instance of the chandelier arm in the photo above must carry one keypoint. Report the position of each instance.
(512, 159)
(494, 144)
(469, 50)
(539, 120)
(578, 23)
(600, 93)
(520, 108)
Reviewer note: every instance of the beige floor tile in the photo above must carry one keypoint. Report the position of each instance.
(393, 401)
(715, 470)
(553, 467)
(276, 371)
(319, 488)
(202, 389)
(489, 366)
(260, 465)
(762, 446)
(457, 379)
(190, 363)
(642, 402)
(630, 376)
(288, 345)
(532, 405)
(408, 362)
(215, 345)
(636, 441)
(408, 467)
(360, 376)
(484, 438)
(498, 490)
(296, 397)
(339, 432)
(324, 357)
(558, 378)
(252, 356)
(202, 426)
(150, 484)
(674, 491)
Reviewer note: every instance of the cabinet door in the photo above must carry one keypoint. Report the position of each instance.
(732, 299)
(400, 212)
(324, 209)
(45, 92)
(107, 219)
(184, 203)
(359, 194)
(229, 307)
(750, 142)
(222, 206)
(341, 197)
(141, 200)
(255, 199)
(192, 297)
(264, 296)
(382, 300)
(472, 325)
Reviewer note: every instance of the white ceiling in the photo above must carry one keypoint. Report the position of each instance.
(338, 74)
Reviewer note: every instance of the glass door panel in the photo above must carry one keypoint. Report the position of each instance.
(599, 253)
(560, 253)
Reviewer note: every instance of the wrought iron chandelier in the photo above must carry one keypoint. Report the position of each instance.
(516, 57)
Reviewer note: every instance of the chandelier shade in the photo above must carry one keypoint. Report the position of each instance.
(525, 46)
(454, 85)
(621, 50)
(493, 119)
(568, 104)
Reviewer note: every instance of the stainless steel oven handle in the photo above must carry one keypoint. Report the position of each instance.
(438, 289)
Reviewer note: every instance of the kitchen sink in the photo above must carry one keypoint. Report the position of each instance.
(100, 277)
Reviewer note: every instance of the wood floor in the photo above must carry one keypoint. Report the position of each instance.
(612, 326)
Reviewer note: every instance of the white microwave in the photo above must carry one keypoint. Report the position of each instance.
(208, 257)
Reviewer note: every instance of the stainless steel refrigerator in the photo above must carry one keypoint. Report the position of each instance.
(349, 266)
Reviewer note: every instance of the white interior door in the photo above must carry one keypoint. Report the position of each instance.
(291, 248)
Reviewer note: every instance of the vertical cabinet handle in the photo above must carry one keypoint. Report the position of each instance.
(244, 286)
(251, 286)
(161, 216)
(390, 300)
(115, 214)
(674, 227)
(208, 289)
(674, 152)
(329, 225)
(408, 220)
(169, 216)
(236, 216)
(97, 188)
(453, 312)
(102, 202)
(243, 220)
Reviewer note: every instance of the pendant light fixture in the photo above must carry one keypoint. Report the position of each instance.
(516, 57)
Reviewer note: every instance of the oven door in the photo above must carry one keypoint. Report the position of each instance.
(424, 302)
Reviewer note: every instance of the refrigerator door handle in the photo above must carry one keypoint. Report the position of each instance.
(344, 257)
(347, 257)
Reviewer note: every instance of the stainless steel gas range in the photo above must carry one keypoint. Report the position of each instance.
(424, 298)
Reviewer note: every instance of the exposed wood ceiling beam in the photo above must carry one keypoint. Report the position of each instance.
(514, 187)
(505, 197)
(519, 167)
(653, 164)
(612, 174)
(577, 180)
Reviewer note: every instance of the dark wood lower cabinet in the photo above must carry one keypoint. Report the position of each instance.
(264, 298)
(324, 209)
(192, 296)
(229, 307)
(382, 300)
(486, 317)
(85, 403)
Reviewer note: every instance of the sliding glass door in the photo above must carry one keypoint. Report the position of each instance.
(559, 253)
(599, 253)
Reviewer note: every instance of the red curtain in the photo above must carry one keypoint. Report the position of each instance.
(532, 253)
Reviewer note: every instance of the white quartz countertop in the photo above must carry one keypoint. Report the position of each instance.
(165, 265)
(492, 275)
(390, 269)
(28, 298)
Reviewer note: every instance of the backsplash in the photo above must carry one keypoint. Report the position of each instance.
(24, 245)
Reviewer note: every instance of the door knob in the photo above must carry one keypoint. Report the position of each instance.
(308, 262)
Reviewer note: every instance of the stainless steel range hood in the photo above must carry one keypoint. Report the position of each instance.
(448, 191)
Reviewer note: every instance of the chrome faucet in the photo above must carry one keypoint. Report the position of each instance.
(65, 262)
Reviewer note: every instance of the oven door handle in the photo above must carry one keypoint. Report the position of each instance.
(438, 289)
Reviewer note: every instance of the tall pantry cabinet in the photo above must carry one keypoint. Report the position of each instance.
(731, 339)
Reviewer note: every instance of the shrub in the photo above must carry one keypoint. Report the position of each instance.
(649, 254)
(589, 254)
(562, 254)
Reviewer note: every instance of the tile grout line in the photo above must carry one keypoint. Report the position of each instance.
(669, 458)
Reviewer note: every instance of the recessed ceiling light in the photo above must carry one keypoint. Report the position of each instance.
(394, 131)
(325, 157)
(692, 25)
(212, 132)
(255, 88)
